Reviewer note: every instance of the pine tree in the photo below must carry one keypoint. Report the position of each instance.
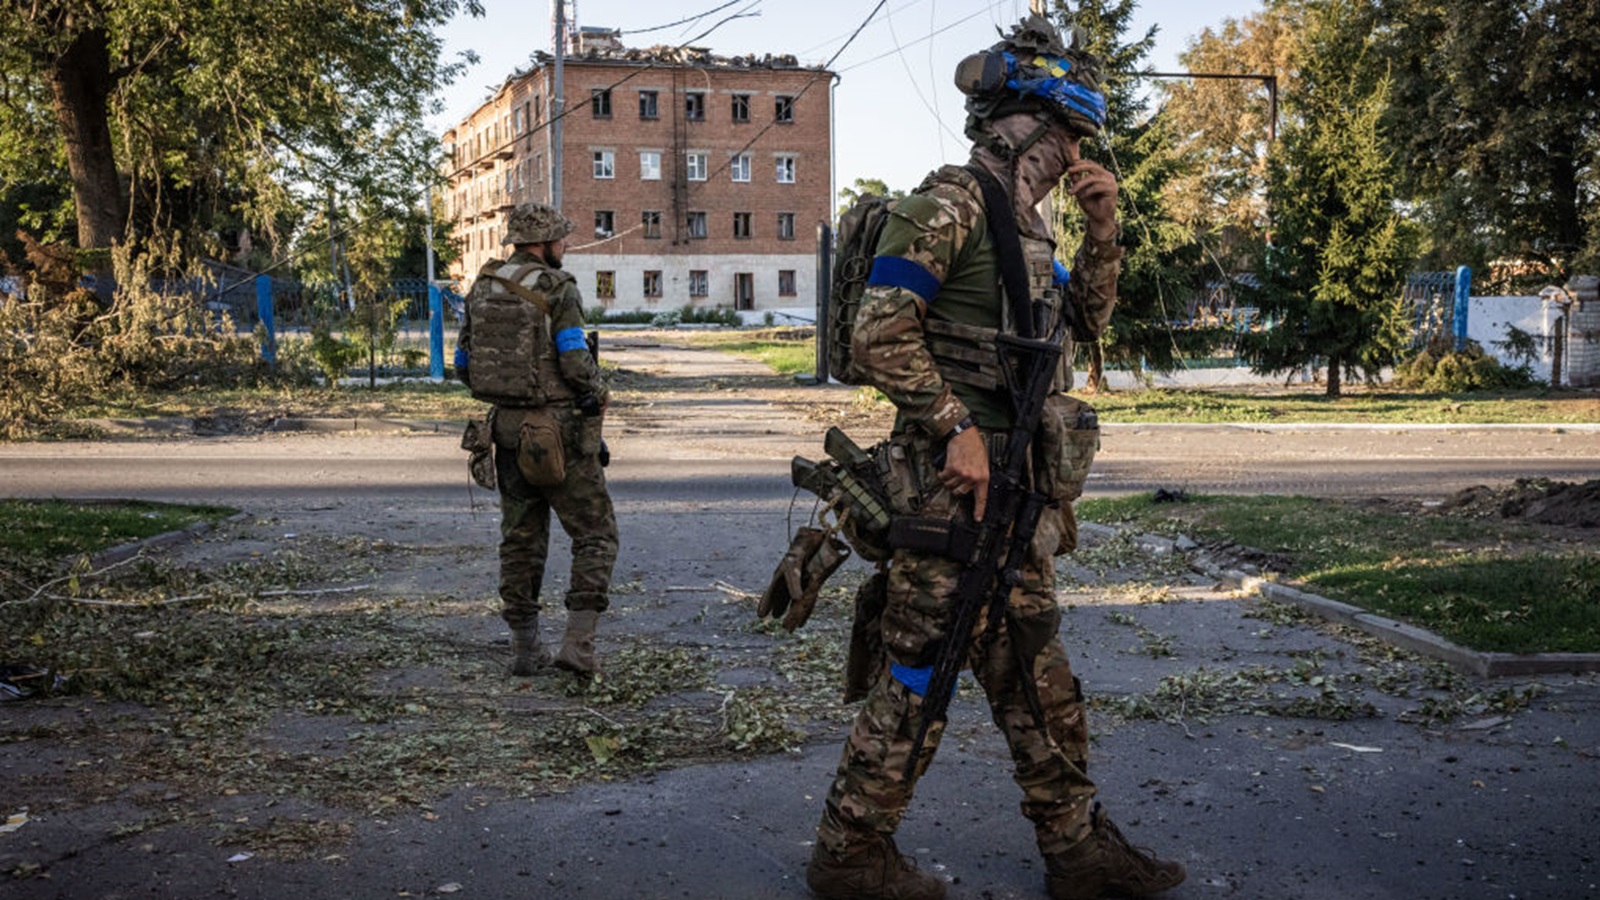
(1331, 277)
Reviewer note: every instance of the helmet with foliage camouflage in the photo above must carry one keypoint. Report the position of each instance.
(1032, 71)
(536, 223)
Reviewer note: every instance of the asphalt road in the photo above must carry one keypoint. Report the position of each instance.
(1276, 808)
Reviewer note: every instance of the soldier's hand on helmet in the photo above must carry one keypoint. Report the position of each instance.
(966, 469)
(1095, 189)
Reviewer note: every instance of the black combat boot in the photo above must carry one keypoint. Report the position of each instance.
(528, 655)
(1104, 864)
(875, 871)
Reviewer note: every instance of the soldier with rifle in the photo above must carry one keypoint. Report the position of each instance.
(967, 326)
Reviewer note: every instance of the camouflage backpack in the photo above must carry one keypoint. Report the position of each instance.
(513, 354)
(854, 247)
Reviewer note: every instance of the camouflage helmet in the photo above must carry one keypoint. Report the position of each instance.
(536, 223)
(1032, 71)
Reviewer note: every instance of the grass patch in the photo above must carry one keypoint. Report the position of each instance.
(788, 351)
(1486, 583)
(406, 400)
(1539, 406)
(45, 530)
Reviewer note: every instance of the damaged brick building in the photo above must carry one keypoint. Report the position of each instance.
(692, 178)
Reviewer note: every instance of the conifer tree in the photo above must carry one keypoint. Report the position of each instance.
(1332, 274)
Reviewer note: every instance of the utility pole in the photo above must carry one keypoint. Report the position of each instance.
(558, 100)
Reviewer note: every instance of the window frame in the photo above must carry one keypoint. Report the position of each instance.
(650, 223)
(739, 108)
(742, 222)
(785, 164)
(695, 226)
(793, 282)
(648, 282)
(609, 229)
(699, 282)
(786, 226)
(605, 164)
(783, 109)
(694, 106)
(605, 284)
(649, 105)
(645, 174)
(690, 158)
(739, 167)
(600, 103)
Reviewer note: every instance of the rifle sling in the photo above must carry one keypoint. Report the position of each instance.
(1008, 245)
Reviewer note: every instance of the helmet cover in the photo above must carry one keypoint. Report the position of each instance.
(536, 223)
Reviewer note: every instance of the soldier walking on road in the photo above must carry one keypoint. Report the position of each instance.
(522, 348)
(925, 336)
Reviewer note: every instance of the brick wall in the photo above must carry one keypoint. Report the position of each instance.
(479, 195)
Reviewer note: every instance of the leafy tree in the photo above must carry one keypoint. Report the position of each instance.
(1495, 108)
(1330, 281)
(1224, 126)
(1163, 264)
(863, 187)
(164, 113)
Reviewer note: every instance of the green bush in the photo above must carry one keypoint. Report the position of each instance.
(1441, 371)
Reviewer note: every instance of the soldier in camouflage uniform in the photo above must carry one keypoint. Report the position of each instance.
(924, 336)
(568, 385)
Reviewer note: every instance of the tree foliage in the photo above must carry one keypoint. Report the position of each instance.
(1163, 264)
(1496, 106)
(1223, 127)
(192, 119)
(864, 186)
(1331, 279)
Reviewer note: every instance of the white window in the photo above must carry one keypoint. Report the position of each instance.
(649, 165)
(785, 169)
(697, 166)
(605, 164)
(739, 167)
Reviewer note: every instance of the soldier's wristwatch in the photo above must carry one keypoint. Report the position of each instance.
(959, 427)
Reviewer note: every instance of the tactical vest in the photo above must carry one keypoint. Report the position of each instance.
(964, 351)
(514, 362)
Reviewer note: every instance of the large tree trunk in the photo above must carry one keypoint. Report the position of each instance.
(1335, 371)
(81, 83)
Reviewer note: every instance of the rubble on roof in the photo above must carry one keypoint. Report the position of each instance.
(680, 56)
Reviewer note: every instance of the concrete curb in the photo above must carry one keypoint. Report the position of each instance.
(1401, 634)
(124, 552)
(160, 426)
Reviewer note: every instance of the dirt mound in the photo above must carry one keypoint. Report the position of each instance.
(1540, 500)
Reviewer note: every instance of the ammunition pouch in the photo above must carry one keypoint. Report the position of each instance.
(478, 440)
(540, 456)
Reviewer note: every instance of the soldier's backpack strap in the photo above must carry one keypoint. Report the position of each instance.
(514, 285)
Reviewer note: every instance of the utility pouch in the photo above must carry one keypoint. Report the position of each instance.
(867, 655)
(540, 457)
(1069, 437)
(478, 440)
(905, 464)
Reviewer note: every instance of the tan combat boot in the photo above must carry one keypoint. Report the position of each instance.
(1104, 864)
(876, 871)
(528, 655)
(577, 647)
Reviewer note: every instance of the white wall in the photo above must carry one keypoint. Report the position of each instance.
(1489, 319)
(675, 270)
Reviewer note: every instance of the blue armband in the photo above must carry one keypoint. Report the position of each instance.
(916, 680)
(1060, 276)
(896, 271)
(461, 357)
(570, 339)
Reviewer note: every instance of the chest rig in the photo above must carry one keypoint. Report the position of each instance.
(965, 352)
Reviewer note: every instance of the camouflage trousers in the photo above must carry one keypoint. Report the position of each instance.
(871, 790)
(580, 502)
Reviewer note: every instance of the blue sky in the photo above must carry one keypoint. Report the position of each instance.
(897, 114)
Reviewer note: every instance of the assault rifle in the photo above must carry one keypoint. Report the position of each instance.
(1000, 542)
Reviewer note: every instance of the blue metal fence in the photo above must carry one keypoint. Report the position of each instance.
(1439, 303)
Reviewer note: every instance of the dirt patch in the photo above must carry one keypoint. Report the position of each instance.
(1537, 500)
